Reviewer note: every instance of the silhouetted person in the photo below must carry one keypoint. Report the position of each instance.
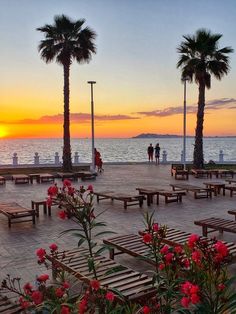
(157, 153)
(150, 152)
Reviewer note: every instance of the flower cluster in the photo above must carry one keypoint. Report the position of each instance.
(191, 294)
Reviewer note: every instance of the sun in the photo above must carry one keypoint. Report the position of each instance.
(3, 132)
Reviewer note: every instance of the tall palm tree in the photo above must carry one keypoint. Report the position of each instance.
(66, 40)
(200, 57)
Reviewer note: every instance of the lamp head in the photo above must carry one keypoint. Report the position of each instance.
(91, 82)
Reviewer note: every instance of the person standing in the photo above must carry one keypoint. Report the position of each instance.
(157, 153)
(150, 152)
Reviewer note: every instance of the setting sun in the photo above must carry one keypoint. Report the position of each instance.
(3, 132)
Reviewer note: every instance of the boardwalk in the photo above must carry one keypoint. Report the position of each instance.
(18, 245)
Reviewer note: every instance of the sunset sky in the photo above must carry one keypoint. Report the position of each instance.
(138, 87)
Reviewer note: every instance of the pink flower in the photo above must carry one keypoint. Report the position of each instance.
(37, 297)
(27, 288)
(90, 188)
(59, 292)
(164, 250)
(53, 247)
(161, 266)
(178, 249)
(66, 182)
(53, 190)
(146, 309)
(192, 240)
(43, 278)
(62, 214)
(65, 285)
(95, 284)
(24, 303)
(155, 227)
(65, 309)
(221, 248)
(221, 287)
(195, 298)
(185, 302)
(169, 257)
(40, 253)
(110, 296)
(196, 257)
(186, 263)
(185, 287)
(147, 238)
(82, 306)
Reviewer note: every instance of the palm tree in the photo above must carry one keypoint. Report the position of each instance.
(200, 58)
(65, 41)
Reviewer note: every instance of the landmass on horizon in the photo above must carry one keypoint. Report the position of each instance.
(152, 135)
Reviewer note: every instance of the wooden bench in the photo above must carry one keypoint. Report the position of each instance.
(2, 180)
(223, 173)
(201, 173)
(231, 188)
(149, 193)
(14, 211)
(46, 177)
(215, 224)
(128, 200)
(86, 175)
(231, 181)
(9, 307)
(67, 175)
(198, 191)
(232, 212)
(216, 187)
(133, 245)
(172, 196)
(20, 178)
(178, 171)
(134, 286)
(36, 205)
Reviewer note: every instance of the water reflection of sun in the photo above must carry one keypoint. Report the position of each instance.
(3, 132)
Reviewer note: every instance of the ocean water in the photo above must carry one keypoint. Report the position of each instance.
(112, 150)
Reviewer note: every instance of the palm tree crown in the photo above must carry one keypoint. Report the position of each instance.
(66, 41)
(200, 57)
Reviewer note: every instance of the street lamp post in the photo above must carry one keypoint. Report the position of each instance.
(184, 125)
(92, 124)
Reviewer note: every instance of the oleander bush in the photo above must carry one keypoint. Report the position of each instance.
(192, 278)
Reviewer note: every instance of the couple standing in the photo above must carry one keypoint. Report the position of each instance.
(150, 152)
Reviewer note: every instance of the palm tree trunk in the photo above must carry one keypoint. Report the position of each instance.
(198, 158)
(67, 164)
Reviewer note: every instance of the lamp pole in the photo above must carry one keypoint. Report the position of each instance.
(92, 124)
(184, 125)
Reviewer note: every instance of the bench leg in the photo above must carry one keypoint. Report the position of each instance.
(204, 231)
(49, 210)
(33, 218)
(141, 202)
(111, 253)
(45, 208)
(157, 198)
(125, 204)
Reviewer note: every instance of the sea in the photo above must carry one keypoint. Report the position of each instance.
(113, 149)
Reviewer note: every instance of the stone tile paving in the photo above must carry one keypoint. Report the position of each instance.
(18, 244)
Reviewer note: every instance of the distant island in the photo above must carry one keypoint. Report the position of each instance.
(152, 135)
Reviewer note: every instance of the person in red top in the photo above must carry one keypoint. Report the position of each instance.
(98, 160)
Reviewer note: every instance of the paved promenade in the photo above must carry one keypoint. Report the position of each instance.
(18, 244)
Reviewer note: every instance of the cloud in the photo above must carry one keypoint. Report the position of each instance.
(216, 104)
(74, 118)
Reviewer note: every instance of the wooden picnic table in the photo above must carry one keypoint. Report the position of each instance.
(199, 192)
(67, 175)
(231, 181)
(127, 199)
(20, 178)
(216, 187)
